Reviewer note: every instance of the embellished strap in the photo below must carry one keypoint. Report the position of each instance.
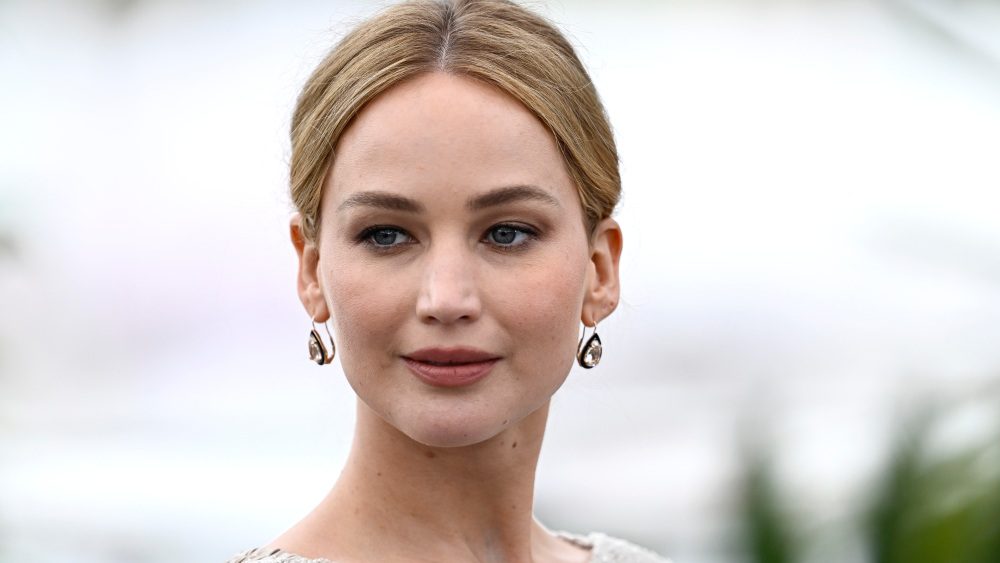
(258, 555)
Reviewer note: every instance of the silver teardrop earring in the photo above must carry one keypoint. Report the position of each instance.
(589, 355)
(317, 350)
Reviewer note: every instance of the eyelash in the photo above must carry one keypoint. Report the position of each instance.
(531, 235)
(365, 237)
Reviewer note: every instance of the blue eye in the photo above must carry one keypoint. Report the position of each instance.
(385, 237)
(509, 236)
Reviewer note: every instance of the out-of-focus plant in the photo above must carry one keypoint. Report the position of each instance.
(767, 533)
(925, 508)
(936, 510)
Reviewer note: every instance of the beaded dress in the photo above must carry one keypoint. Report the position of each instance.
(603, 549)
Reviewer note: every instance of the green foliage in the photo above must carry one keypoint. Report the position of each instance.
(925, 508)
(767, 532)
(936, 511)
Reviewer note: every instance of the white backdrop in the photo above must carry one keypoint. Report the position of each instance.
(811, 193)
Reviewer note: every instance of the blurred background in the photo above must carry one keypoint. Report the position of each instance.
(805, 366)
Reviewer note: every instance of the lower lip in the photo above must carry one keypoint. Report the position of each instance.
(455, 375)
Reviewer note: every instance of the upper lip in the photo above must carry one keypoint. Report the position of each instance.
(456, 355)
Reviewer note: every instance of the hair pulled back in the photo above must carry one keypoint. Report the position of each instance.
(494, 41)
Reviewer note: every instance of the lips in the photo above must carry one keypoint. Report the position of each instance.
(450, 367)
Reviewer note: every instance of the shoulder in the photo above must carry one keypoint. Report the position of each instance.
(609, 549)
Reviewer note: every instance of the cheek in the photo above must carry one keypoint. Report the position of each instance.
(544, 312)
(361, 309)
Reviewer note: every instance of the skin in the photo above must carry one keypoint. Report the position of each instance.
(447, 474)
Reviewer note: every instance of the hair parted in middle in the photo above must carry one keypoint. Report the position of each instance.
(494, 41)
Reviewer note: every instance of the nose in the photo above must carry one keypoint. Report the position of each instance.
(448, 293)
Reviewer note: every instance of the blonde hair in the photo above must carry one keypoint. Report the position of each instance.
(495, 41)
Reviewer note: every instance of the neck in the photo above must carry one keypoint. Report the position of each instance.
(472, 503)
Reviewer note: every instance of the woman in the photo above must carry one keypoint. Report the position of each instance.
(454, 175)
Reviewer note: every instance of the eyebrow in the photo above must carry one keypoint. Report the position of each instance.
(492, 198)
(381, 200)
(510, 194)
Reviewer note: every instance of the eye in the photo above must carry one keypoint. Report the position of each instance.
(509, 236)
(382, 237)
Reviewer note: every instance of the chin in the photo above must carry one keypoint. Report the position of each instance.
(453, 430)
(447, 439)
(447, 425)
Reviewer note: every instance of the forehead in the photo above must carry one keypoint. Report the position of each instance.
(443, 134)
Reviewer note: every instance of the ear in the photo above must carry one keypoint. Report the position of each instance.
(309, 286)
(603, 291)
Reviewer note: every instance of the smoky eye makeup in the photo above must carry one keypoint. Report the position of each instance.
(384, 238)
(510, 236)
(507, 229)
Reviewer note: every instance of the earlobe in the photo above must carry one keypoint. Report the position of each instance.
(308, 279)
(604, 289)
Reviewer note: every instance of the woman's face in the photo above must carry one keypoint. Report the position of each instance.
(454, 260)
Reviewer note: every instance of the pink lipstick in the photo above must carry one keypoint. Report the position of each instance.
(450, 367)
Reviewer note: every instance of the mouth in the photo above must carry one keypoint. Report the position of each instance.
(450, 367)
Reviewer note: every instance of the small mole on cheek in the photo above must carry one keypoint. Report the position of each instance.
(505, 421)
(429, 453)
(514, 445)
(378, 473)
